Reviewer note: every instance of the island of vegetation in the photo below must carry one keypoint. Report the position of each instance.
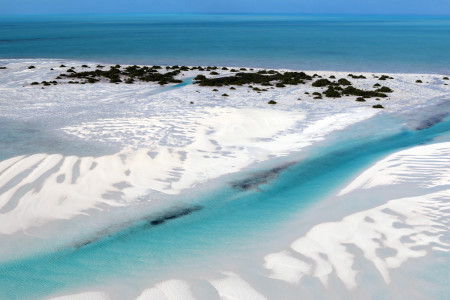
(330, 87)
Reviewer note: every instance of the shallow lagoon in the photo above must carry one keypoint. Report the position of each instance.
(225, 223)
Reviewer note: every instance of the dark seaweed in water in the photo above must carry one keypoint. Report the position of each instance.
(259, 178)
(105, 234)
(431, 121)
(174, 215)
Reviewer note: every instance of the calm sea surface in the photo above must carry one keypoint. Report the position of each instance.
(358, 43)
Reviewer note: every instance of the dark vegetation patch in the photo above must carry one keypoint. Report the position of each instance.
(264, 78)
(272, 102)
(332, 93)
(344, 81)
(377, 106)
(384, 89)
(261, 77)
(350, 90)
(384, 77)
(175, 215)
(128, 75)
(321, 83)
(259, 178)
(356, 76)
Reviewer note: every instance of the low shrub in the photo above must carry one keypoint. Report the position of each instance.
(384, 89)
(384, 77)
(344, 81)
(331, 93)
(321, 82)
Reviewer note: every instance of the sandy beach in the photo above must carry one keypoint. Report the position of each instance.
(128, 151)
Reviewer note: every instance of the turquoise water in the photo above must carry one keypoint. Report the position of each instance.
(354, 43)
(227, 220)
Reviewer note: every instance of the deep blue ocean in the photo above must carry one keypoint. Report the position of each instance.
(350, 43)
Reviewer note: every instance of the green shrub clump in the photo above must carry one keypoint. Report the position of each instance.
(261, 77)
(31, 67)
(384, 77)
(321, 83)
(357, 76)
(350, 90)
(377, 106)
(331, 93)
(272, 102)
(360, 99)
(384, 89)
(344, 81)
(419, 81)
